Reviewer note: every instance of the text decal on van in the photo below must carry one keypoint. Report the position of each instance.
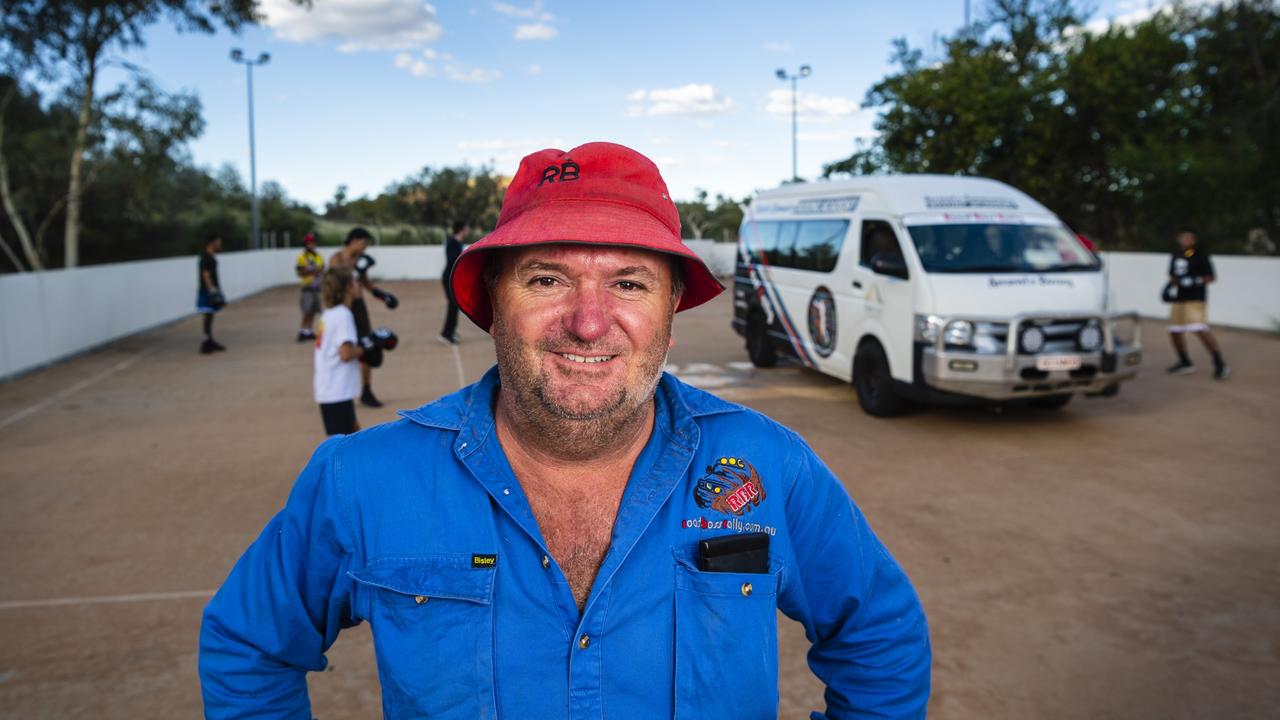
(968, 201)
(827, 205)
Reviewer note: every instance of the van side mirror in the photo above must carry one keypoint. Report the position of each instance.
(890, 264)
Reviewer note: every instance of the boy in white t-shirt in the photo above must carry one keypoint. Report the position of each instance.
(338, 352)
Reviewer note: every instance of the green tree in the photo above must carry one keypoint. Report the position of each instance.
(695, 216)
(69, 41)
(1127, 133)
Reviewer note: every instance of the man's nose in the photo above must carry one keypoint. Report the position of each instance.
(588, 315)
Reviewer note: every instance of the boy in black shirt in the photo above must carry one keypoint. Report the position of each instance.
(452, 249)
(209, 299)
(1190, 272)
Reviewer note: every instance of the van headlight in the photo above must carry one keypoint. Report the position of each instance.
(927, 328)
(1031, 339)
(1089, 338)
(958, 332)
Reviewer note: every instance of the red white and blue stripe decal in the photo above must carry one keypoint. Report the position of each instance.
(762, 285)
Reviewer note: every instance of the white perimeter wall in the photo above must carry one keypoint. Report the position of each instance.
(1246, 294)
(50, 315)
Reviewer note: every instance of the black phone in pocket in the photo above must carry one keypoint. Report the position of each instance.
(746, 553)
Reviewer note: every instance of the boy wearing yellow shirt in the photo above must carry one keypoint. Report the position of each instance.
(310, 268)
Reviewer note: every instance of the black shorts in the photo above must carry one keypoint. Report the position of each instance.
(339, 418)
(361, 313)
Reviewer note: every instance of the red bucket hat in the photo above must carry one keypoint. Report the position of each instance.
(595, 194)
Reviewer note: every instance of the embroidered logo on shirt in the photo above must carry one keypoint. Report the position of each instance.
(731, 486)
(484, 561)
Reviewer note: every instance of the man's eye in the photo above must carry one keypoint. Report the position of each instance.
(544, 281)
(629, 285)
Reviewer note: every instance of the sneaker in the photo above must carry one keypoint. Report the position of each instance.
(1181, 368)
(367, 398)
(305, 335)
(447, 340)
(217, 346)
(1222, 372)
(206, 347)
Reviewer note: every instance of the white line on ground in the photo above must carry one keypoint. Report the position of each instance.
(457, 364)
(67, 392)
(103, 599)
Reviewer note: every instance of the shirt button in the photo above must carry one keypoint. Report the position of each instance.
(420, 599)
(584, 642)
(546, 562)
(506, 491)
(746, 589)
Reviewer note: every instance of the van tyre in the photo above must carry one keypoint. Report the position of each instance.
(874, 384)
(1050, 402)
(759, 348)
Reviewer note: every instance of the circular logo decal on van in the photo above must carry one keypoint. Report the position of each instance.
(822, 321)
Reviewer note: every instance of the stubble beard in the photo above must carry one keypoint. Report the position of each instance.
(566, 431)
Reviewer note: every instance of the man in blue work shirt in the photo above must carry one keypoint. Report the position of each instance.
(578, 534)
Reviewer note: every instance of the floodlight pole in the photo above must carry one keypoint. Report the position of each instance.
(238, 56)
(782, 75)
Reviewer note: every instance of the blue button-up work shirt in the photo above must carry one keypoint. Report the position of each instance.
(420, 528)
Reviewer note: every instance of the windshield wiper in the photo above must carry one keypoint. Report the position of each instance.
(982, 269)
(1074, 267)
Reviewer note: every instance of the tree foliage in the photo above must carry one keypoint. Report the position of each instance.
(67, 42)
(718, 220)
(1128, 133)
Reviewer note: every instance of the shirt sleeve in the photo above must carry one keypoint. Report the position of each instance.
(346, 330)
(282, 606)
(867, 626)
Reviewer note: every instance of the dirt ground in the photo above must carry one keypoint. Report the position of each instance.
(1116, 559)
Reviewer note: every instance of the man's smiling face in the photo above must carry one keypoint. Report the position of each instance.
(582, 331)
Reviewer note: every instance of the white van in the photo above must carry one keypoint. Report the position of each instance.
(928, 288)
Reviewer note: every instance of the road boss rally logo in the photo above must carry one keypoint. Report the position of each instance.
(731, 486)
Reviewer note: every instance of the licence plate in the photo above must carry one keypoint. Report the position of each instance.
(1058, 362)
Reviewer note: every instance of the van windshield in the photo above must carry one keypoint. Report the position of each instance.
(1000, 248)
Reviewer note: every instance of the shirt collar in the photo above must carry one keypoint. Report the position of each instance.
(469, 411)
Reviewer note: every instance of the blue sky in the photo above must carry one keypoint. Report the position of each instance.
(364, 92)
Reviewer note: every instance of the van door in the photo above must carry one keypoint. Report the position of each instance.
(888, 300)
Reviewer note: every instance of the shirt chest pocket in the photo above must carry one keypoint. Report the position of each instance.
(726, 642)
(432, 622)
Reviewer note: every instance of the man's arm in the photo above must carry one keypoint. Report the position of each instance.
(207, 279)
(282, 606)
(868, 629)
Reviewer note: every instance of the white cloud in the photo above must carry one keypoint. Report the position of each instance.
(1134, 12)
(462, 73)
(780, 47)
(429, 53)
(533, 12)
(536, 31)
(691, 99)
(416, 67)
(355, 24)
(667, 161)
(534, 69)
(811, 105)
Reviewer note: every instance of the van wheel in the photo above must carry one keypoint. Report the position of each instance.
(874, 384)
(1050, 402)
(759, 348)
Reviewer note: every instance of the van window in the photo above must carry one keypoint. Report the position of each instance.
(877, 237)
(760, 238)
(799, 244)
(1000, 247)
(818, 244)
